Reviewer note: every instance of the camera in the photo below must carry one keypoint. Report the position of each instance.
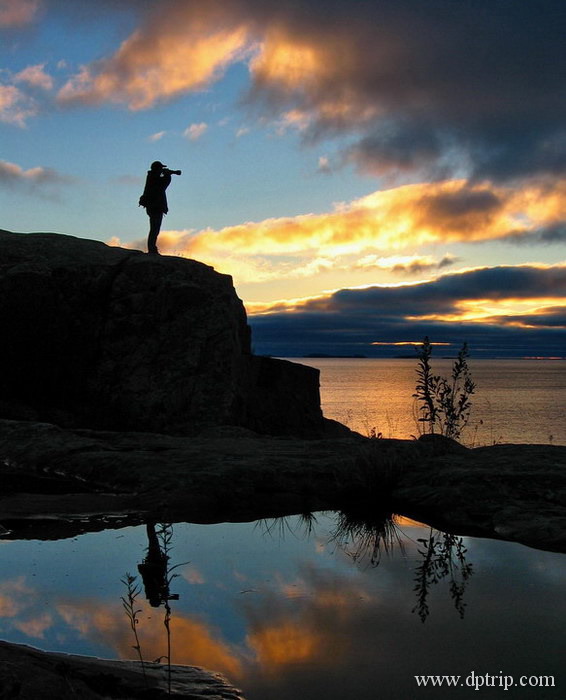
(171, 172)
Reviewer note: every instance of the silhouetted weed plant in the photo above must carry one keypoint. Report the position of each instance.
(129, 604)
(445, 404)
(164, 537)
(443, 555)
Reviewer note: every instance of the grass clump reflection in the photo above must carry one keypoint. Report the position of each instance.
(365, 534)
(362, 535)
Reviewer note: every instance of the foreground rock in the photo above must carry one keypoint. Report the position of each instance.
(83, 479)
(29, 674)
(108, 338)
(510, 492)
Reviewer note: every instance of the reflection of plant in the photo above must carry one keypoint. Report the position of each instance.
(365, 534)
(445, 404)
(165, 537)
(279, 526)
(157, 576)
(129, 604)
(443, 555)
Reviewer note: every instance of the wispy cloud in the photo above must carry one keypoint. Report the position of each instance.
(15, 106)
(195, 131)
(405, 264)
(14, 13)
(35, 76)
(157, 136)
(37, 180)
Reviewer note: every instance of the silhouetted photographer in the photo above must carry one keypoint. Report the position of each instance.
(154, 200)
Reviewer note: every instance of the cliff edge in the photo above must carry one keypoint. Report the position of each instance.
(114, 339)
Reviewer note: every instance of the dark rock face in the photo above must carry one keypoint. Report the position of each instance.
(108, 338)
(30, 674)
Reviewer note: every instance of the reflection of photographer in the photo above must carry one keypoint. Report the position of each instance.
(155, 201)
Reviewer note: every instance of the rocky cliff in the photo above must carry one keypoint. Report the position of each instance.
(108, 338)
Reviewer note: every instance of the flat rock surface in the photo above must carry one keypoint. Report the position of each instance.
(514, 492)
(29, 674)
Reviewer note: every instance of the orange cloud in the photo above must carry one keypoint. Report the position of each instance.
(292, 64)
(283, 636)
(501, 311)
(193, 642)
(287, 643)
(166, 57)
(391, 220)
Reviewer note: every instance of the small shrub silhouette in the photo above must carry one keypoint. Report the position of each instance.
(445, 404)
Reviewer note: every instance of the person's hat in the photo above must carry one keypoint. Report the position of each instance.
(156, 165)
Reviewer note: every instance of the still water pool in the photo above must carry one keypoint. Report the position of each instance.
(303, 609)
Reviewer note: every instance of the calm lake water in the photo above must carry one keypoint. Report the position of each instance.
(515, 400)
(292, 609)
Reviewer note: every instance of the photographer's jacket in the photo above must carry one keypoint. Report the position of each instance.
(153, 197)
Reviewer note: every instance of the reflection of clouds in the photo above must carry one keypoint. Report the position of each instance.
(291, 625)
(15, 596)
(36, 626)
(17, 603)
(193, 575)
(304, 645)
(284, 643)
(193, 641)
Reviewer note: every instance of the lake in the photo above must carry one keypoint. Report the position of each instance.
(326, 606)
(515, 400)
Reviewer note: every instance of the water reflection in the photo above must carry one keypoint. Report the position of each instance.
(155, 569)
(297, 608)
(443, 556)
(365, 534)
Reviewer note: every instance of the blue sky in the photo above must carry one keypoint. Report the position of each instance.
(325, 146)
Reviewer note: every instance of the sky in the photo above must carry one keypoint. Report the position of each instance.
(368, 172)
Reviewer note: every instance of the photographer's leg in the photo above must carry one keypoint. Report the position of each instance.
(155, 219)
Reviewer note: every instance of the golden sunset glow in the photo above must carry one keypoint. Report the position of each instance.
(286, 62)
(414, 343)
(286, 643)
(488, 310)
(324, 148)
(146, 69)
(387, 220)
